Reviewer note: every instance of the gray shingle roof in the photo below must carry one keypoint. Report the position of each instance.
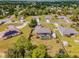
(66, 31)
(41, 30)
(65, 19)
(5, 20)
(48, 17)
(35, 17)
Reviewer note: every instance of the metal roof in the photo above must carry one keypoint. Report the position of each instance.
(41, 30)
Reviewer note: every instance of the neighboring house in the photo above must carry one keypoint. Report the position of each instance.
(48, 18)
(37, 19)
(42, 32)
(67, 31)
(10, 32)
(4, 21)
(65, 19)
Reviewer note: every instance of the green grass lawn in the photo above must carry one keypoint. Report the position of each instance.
(3, 27)
(5, 44)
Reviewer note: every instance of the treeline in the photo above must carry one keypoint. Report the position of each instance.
(40, 3)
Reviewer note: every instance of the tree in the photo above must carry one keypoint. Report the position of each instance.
(24, 49)
(74, 18)
(39, 52)
(33, 23)
(11, 11)
(21, 49)
(1, 13)
(62, 54)
(16, 14)
(75, 56)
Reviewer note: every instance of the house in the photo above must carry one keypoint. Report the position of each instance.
(67, 31)
(42, 32)
(37, 19)
(65, 19)
(61, 17)
(3, 21)
(10, 32)
(48, 18)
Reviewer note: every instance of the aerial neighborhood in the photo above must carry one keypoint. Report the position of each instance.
(39, 29)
